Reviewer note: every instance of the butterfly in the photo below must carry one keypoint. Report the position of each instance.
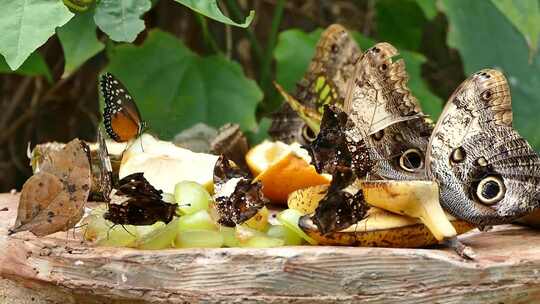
(323, 83)
(487, 173)
(140, 203)
(387, 115)
(237, 197)
(122, 118)
(105, 179)
(335, 153)
(53, 198)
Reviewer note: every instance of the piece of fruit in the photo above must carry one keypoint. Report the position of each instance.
(259, 221)
(307, 200)
(199, 239)
(165, 164)
(284, 233)
(104, 233)
(191, 197)
(289, 218)
(199, 220)
(381, 228)
(419, 199)
(262, 242)
(159, 238)
(282, 169)
(229, 236)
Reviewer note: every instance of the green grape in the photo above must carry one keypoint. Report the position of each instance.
(229, 236)
(146, 229)
(159, 238)
(168, 198)
(243, 233)
(199, 239)
(284, 233)
(289, 218)
(199, 220)
(119, 236)
(191, 197)
(104, 233)
(263, 242)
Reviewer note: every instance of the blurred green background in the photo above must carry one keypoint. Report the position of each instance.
(189, 61)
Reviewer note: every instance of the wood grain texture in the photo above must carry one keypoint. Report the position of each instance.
(507, 270)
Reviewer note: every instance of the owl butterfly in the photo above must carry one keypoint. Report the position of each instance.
(121, 116)
(237, 197)
(487, 173)
(140, 203)
(323, 83)
(387, 116)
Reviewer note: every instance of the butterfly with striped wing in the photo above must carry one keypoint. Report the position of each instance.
(121, 116)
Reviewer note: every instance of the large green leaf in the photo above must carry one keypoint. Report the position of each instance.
(79, 41)
(296, 48)
(494, 42)
(176, 88)
(400, 23)
(293, 52)
(525, 16)
(429, 7)
(210, 9)
(120, 19)
(35, 65)
(26, 25)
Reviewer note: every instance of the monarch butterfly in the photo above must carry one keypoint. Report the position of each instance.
(121, 116)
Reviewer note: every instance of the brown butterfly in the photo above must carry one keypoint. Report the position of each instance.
(141, 203)
(324, 82)
(105, 179)
(53, 199)
(335, 153)
(237, 198)
(488, 174)
(122, 118)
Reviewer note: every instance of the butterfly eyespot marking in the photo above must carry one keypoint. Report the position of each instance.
(490, 190)
(486, 95)
(308, 134)
(378, 135)
(334, 48)
(411, 160)
(481, 161)
(383, 67)
(376, 50)
(458, 155)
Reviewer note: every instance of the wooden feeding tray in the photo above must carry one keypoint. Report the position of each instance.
(59, 269)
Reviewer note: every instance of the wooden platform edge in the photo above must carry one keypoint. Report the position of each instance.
(507, 270)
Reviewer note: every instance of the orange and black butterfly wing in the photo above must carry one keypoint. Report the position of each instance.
(121, 116)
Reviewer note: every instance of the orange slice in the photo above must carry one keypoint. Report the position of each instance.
(283, 169)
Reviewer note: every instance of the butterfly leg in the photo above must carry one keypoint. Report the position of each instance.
(461, 249)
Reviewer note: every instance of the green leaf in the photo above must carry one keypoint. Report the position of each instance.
(293, 53)
(400, 23)
(429, 7)
(35, 65)
(495, 43)
(79, 41)
(120, 19)
(525, 16)
(175, 88)
(28, 24)
(296, 48)
(210, 9)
